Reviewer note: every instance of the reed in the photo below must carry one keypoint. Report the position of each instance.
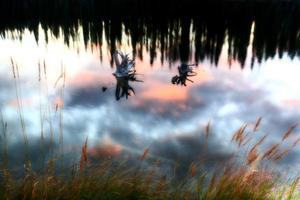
(207, 132)
(42, 118)
(257, 124)
(289, 132)
(108, 181)
(145, 154)
(4, 143)
(83, 159)
(48, 112)
(16, 77)
(61, 142)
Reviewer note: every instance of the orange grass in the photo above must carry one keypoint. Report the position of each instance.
(104, 181)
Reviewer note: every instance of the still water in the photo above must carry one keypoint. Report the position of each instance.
(65, 89)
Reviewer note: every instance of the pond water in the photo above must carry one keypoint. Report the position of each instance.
(58, 80)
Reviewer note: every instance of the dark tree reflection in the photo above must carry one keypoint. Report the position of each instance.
(177, 30)
(125, 73)
(184, 72)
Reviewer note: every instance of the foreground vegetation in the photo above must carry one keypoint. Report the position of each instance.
(99, 184)
(122, 180)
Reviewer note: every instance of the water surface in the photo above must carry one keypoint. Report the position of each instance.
(246, 69)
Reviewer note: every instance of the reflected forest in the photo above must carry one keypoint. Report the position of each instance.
(152, 25)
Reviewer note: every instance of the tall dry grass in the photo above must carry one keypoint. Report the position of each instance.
(16, 77)
(108, 181)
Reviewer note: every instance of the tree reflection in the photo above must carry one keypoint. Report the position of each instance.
(184, 71)
(125, 73)
(185, 31)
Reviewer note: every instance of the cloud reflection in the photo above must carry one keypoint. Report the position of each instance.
(163, 116)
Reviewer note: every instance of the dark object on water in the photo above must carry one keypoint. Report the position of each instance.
(123, 88)
(125, 72)
(184, 71)
(104, 89)
(125, 66)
